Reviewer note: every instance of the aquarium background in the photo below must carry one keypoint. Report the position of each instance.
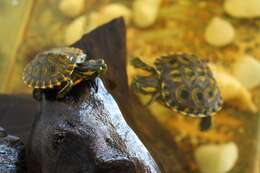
(226, 33)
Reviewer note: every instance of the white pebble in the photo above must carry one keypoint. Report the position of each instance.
(219, 32)
(106, 14)
(212, 158)
(74, 30)
(243, 8)
(145, 12)
(115, 10)
(71, 8)
(247, 70)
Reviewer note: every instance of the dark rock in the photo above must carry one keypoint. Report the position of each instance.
(85, 133)
(3, 132)
(12, 154)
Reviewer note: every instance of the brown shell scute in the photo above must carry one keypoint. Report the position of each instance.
(188, 85)
(47, 70)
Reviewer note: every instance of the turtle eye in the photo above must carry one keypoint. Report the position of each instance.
(83, 58)
(71, 58)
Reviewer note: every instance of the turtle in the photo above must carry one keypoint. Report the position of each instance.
(182, 82)
(61, 68)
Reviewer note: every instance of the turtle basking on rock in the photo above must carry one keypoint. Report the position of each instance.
(61, 68)
(183, 83)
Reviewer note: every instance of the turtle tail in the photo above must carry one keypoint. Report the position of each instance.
(205, 123)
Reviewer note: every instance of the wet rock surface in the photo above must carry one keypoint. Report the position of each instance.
(12, 156)
(85, 132)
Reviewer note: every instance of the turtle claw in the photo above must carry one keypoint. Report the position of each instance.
(93, 85)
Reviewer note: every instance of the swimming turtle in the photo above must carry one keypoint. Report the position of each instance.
(61, 68)
(182, 82)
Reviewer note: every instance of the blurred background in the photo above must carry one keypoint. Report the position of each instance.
(226, 33)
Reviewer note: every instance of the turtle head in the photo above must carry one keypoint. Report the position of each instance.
(81, 58)
(92, 68)
(97, 65)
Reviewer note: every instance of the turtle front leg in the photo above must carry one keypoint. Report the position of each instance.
(65, 89)
(37, 94)
(205, 123)
(146, 84)
(138, 63)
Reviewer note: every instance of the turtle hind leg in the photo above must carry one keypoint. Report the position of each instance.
(138, 63)
(153, 98)
(65, 89)
(205, 123)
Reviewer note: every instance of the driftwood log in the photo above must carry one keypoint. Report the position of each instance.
(108, 42)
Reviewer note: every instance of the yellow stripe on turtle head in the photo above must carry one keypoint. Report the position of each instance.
(89, 73)
(77, 81)
(37, 84)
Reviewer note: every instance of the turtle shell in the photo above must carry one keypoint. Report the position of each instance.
(50, 68)
(187, 85)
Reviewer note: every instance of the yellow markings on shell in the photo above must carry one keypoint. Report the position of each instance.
(186, 110)
(37, 84)
(149, 89)
(57, 83)
(43, 85)
(203, 79)
(166, 93)
(29, 84)
(175, 72)
(65, 78)
(200, 115)
(188, 71)
(212, 81)
(175, 65)
(176, 79)
(163, 85)
(199, 69)
(50, 85)
(194, 93)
